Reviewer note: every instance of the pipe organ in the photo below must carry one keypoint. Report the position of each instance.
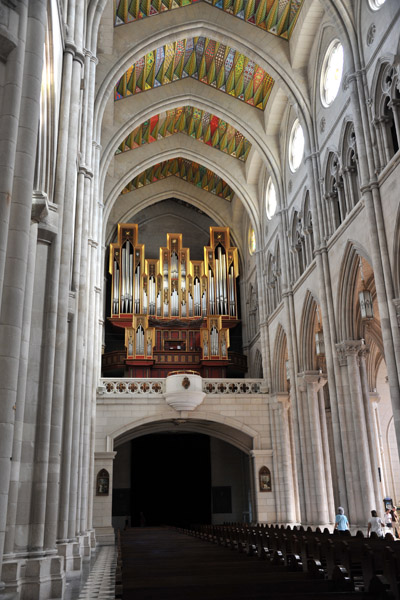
(176, 312)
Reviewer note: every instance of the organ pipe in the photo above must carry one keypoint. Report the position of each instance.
(173, 286)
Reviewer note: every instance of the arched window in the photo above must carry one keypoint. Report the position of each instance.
(296, 146)
(270, 199)
(331, 73)
(297, 247)
(335, 197)
(387, 114)
(308, 230)
(350, 168)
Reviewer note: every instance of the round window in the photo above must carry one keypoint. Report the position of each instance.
(252, 241)
(376, 4)
(296, 146)
(331, 75)
(270, 199)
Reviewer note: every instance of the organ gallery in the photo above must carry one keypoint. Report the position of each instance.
(175, 312)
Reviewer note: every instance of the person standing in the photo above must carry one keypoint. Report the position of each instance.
(387, 518)
(395, 522)
(375, 524)
(341, 521)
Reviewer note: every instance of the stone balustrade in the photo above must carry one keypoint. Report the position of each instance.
(124, 387)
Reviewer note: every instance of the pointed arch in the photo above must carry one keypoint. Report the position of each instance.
(280, 357)
(309, 323)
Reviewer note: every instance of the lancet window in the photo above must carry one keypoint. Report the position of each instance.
(350, 168)
(387, 114)
(274, 294)
(335, 199)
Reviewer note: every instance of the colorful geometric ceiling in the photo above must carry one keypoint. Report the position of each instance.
(187, 170)
(204, 59)
(194, 122)
(276, 16)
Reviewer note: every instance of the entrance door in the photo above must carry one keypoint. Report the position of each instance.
(171, 479)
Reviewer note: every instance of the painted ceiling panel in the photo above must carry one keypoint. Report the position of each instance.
(275, 16)
(204, 59)
(190, 171)
(194, 122)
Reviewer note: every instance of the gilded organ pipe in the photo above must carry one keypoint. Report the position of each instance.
(173, 286)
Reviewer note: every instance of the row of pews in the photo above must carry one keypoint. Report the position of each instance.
(355, 563)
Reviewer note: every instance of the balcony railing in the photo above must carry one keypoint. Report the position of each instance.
(124, 387)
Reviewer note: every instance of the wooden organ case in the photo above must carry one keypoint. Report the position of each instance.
(176, 313)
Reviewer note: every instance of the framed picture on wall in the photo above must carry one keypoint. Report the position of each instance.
(102, 483)
(264, 476)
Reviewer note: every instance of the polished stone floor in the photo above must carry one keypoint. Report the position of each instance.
(97, 579)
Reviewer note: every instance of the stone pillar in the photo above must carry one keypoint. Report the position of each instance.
(357, 430)
(102, 509)
(19, 198)
(372, 441)
(318, 512)
(306, 514)
(327, 456)
(286, 512)
(266, 502)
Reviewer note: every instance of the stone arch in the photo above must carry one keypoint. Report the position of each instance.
(258, 367)
(350, 168)
(396, 259)
(310, 318)
(279, 371)
(350, 326)
(178, 26)
(386, 110)
(235, 180)
(228, 429)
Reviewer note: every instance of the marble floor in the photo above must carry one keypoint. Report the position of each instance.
(97, 579)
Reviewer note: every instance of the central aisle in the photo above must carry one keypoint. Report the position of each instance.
(163, 564)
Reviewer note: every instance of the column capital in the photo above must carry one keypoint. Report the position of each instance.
(315, 379)
(348, 348)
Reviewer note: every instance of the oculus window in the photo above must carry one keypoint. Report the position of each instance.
(376, 4)
(296, 146)
(270, 199)
(331, 74)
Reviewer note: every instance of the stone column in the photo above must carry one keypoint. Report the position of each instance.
(319, 507)
(372, 441)
(12, 83)
(286, 505)
(357, 429)
(266, 502)
(20, 197)
(102, 510)
(327, 456)
(306, 511)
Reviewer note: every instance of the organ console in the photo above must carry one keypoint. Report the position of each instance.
(176, 312)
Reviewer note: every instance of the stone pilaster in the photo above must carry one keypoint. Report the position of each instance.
(102, 504)
(265, 500)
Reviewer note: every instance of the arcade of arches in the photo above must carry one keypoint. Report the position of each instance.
(199, 269)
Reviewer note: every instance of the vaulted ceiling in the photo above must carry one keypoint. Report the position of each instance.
(190, 97)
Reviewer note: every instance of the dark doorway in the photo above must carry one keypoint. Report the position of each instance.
(171, 479)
